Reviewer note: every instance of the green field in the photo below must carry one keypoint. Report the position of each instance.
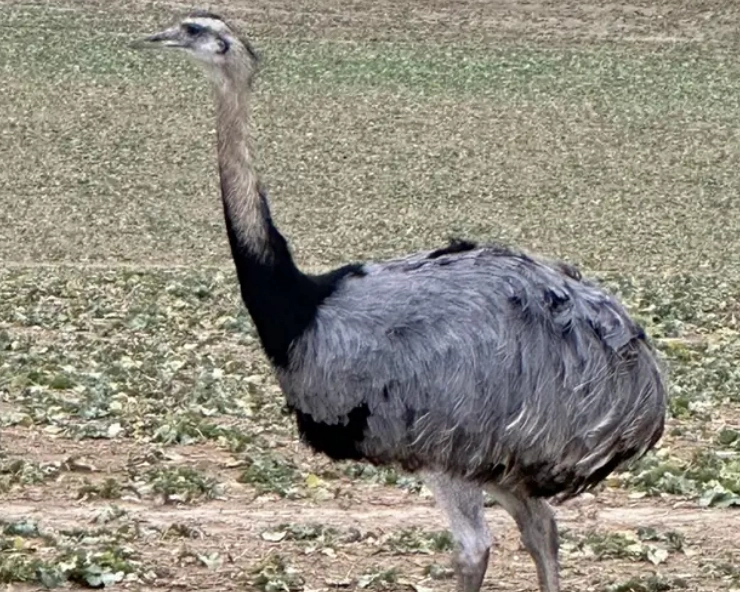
(142, 436)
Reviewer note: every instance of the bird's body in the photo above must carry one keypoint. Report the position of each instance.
(478, 367)
(484, 363)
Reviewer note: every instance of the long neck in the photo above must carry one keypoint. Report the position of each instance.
(245, 207)
(279, 298)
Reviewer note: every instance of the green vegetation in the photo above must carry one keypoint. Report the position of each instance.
(416, 540)
(652, 583)
(21, 472)
(274, 574)
(93, 559)
(644, 545)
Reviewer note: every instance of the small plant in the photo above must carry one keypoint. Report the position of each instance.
(415, 540)
(653, 583)
(96, 569)
(19, 561)
(607, 545)
(189, 429)
(22, 568)
(378, 580)
(725, 570)
(301, 532)
(183, 484)
(383, 475)
(673, 540)
(275, 575)
(729, 438)
(109, 488)
(439, 572)
(269, 474)
(180, 530)
(612, 546)
(22, 472)
(109, 513)
(22, 528)
(709, 477)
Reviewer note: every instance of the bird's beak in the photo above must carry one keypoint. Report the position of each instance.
(168, 38)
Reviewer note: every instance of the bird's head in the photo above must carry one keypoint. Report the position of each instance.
(205, 37)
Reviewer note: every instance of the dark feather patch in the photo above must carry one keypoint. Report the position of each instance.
(281, 300)
(556, 299)
(456, 246)
(337, 441)
(570, 270)
(244, 41)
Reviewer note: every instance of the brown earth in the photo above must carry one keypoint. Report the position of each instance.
(232, 527)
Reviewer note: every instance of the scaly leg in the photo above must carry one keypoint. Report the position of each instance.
(462, 502)
(536, 522)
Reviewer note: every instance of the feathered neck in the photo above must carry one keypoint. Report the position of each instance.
(276, 294)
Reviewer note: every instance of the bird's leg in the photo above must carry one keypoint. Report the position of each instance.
(462, 502)
(536, 522)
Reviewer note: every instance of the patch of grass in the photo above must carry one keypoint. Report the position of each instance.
(21, 472)
(180, 484)
(674, 540)
(729, 438)
(439, 572)
(313, 536)
(101, 537)
(425, 150)
(623, 546)
(301, 532)
(96, 569)
(186, 429)
(727, 571)
(383, 475)
(93, 559)
(378, 579)
(709, 477)
(668, 79)
(272, 474)
(109, 488)
(164, 384)
(110, 513)
(417, 540)
(24, 528)
(21, 568)
(181, 530)
(275, 574)
(653, 583)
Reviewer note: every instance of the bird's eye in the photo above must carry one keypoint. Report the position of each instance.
(192, 29)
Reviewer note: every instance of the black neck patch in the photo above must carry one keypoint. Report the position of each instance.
(281, 300)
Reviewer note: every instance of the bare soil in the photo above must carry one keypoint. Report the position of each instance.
(232, 527)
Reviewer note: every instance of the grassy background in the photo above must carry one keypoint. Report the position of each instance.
(603, 134)
(614, 156)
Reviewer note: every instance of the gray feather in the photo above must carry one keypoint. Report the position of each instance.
(488, 364)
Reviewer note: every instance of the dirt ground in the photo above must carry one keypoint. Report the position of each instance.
(232, 528)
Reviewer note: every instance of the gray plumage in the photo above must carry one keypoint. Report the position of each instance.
(478, 367)
(486, 364)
